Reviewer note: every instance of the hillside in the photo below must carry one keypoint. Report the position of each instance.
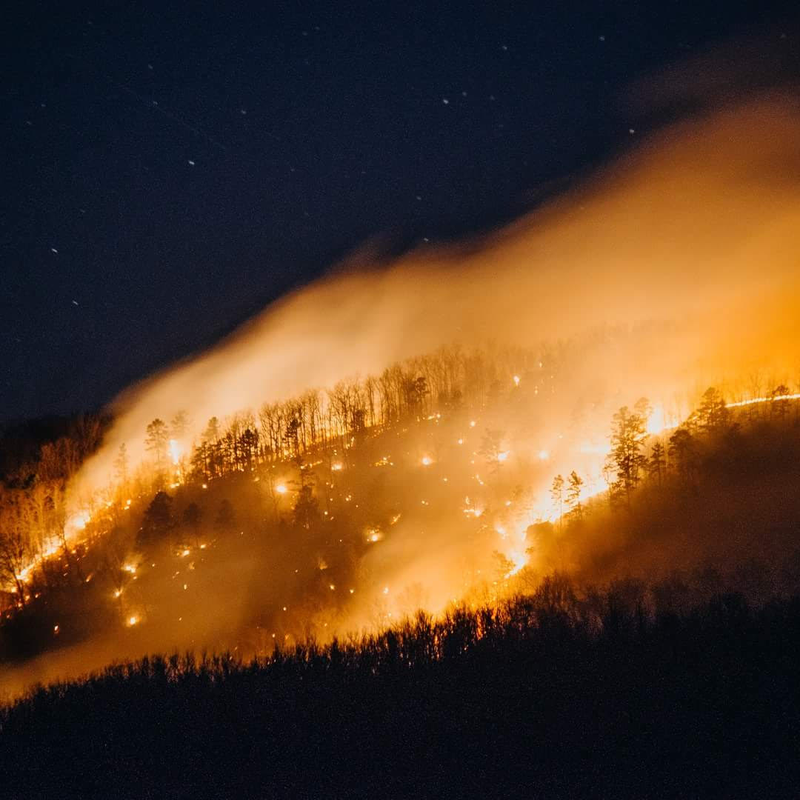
(348, 515)
(635, 635)
(559, 694)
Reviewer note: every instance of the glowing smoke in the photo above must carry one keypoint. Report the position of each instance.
(700, 224)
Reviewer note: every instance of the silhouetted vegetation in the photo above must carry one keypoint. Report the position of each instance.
(617, 692)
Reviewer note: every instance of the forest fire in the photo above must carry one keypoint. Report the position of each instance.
(512, 438)
(502, 503)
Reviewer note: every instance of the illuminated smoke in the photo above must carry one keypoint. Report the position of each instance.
(690, 240)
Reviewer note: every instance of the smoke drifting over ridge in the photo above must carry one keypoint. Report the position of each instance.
(691, 239)
(699, 224)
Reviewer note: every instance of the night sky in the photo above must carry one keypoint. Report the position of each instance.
(171, 168)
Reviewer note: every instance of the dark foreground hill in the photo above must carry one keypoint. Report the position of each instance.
(610, 693)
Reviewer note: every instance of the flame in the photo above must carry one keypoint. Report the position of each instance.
(175, 451)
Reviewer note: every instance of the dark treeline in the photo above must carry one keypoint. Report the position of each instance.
(613, 692)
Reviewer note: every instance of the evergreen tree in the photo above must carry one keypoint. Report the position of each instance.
(657, 463)
(557, 495)
(157, 519)
(121, 465)
(683, 451)
(574, 489)
(712, 415)
(156, 442)
(626, 461)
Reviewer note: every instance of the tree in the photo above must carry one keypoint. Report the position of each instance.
(657, 463)
(712, 415)
(16, 547)
(157, 518)
(211, 433)
(557, 495)
(121, 465)
(178, 425)
(779, 405)
(156, 442)
(626, 461)
(415, 391)
(248, 447)
(683, 451)
(574, 489)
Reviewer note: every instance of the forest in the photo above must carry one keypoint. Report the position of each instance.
(331, 572)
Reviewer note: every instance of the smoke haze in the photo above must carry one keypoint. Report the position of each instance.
(690, 241)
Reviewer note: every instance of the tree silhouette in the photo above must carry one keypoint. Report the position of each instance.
(557, 495)
(712, 415)
(779, 406)
(157, 519)
(121, 464)
(178, 425)
(573, 497)
(156, 442)
(683, 450)
(626, 461)
(657, 463)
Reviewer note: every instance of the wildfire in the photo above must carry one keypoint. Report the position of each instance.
(175, 452)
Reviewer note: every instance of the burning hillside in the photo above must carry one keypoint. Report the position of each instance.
(232, 503)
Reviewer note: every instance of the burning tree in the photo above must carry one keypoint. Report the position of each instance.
(16, 549)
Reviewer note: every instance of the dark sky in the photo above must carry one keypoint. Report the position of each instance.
(170, 168)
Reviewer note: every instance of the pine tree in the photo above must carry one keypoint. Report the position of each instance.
(657, 463)
(557, 495)
(712, 415)
(157, 441)
(626, 461)
(574, 489)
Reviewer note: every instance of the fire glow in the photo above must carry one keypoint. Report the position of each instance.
(462, 457)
